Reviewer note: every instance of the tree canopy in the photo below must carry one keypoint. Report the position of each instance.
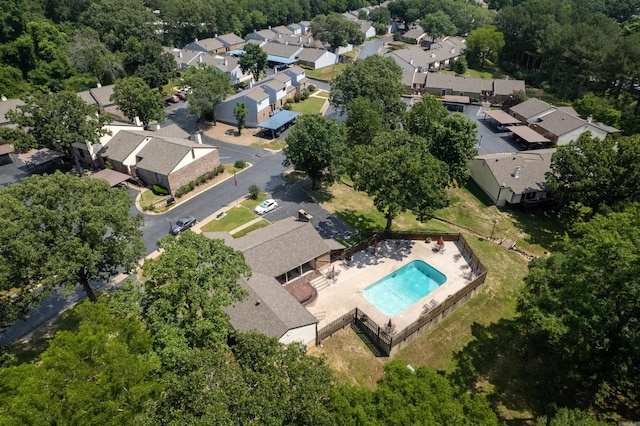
(437, 25)
(57, 120)
(581, 305)
(336, 31)
(208, 88)
(377, 78)
(253, 60)
(59, 231)
(595, 175)
(136, 99)
(484, 44)
(405, 397)
(398, 171)
(314, 146)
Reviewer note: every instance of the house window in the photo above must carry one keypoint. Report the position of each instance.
(530, 195)
(443, 92)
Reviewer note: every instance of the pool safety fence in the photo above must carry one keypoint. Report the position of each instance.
(390, 343)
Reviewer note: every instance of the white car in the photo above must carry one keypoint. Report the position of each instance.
(265, 206)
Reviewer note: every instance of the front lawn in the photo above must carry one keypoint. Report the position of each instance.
(326, 73)
(235, 217)
(308, 106)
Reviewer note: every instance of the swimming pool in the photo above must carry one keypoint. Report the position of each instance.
(404, 287)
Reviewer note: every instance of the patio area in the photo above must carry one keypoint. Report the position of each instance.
(346, 291)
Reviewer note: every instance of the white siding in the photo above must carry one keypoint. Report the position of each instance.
(306, 335)
(131, 159)
(573, 136)
(325, 60)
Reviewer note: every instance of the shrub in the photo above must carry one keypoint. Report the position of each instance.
(297, 97)
(254, 191)
(312, 88)
(289, 100)
(108, 165)
(286, 106)
(240, 164)
(192, 185)
(160, 190)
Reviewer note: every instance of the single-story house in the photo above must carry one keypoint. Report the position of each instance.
(184, 57)
(106, 105)
(287, 51)
(447, 84)
(282, 30)
(158, 159)
(367, 28)
(560, 125)
(278, 254)
(210, 45)
(438, 57)
(414, 35)
(511, 179)
(531, 109)
(504, 88)
(296, 29)
(316, 58)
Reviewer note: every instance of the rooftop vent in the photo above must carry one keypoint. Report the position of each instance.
(516, 172)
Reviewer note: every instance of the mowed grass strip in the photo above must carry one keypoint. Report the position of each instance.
(308, 106)
(326, 73)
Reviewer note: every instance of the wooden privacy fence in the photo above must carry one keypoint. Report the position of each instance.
(390, 341)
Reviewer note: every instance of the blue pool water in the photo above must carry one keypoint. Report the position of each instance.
(401, 289)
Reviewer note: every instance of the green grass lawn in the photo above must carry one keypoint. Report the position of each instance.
(469, 208)
(308, 106)
(321, 93)
(235, 217)
(148, 198)
(261, 224)
(326, 73)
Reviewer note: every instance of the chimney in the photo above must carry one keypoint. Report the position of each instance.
(410, 61)
(309, 40)
(136, 121)
(215, 36)
(589, 119)
(196, 39)
(3, 98)
(433, 54)
(180, 54)
(156, 126)
(304, 216)
(224, 62)
(269, 26)
(453, 49)
(199, 58)
(286, 43)
(300, 39)
(516, 172)
(197, 138)
(279, 35)
(99, 85)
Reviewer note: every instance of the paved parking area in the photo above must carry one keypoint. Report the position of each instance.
(490, 140)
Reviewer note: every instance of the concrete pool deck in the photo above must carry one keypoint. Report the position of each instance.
(346, 292)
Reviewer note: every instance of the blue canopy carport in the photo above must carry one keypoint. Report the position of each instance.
(279, 121)
(279, 62)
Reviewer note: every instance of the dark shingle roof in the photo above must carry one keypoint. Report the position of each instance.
(533, 167)
(269, 309)
(122, 144)
(162, 155)
(531, 107)
(282, 246)
(230, 39)
(103, 95)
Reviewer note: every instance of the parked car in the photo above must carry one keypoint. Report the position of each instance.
(266, 206)
(171, 99)
(183, 224)
(182, 96)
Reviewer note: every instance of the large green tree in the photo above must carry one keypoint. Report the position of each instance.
(57, 120)
(400, 174)
(105, 373)
(188, 285)
(484, 44)
(314, 146)
(336, 31)
(60, 231)
(404, 397)
(240, 112)
(253, 60)
(595, 175)
(437, 25)
(376, 78)
(209, 87)
(146, 59)
(581, 306)
(454, 143)
(136, 99)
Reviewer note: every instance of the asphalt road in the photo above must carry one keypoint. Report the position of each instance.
(266, 172)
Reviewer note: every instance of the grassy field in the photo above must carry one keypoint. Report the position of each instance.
(147, 198)
(321, 93)
(308, 106)
(488, 72)
(326, 73)
(469, 209)
(235, 217)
